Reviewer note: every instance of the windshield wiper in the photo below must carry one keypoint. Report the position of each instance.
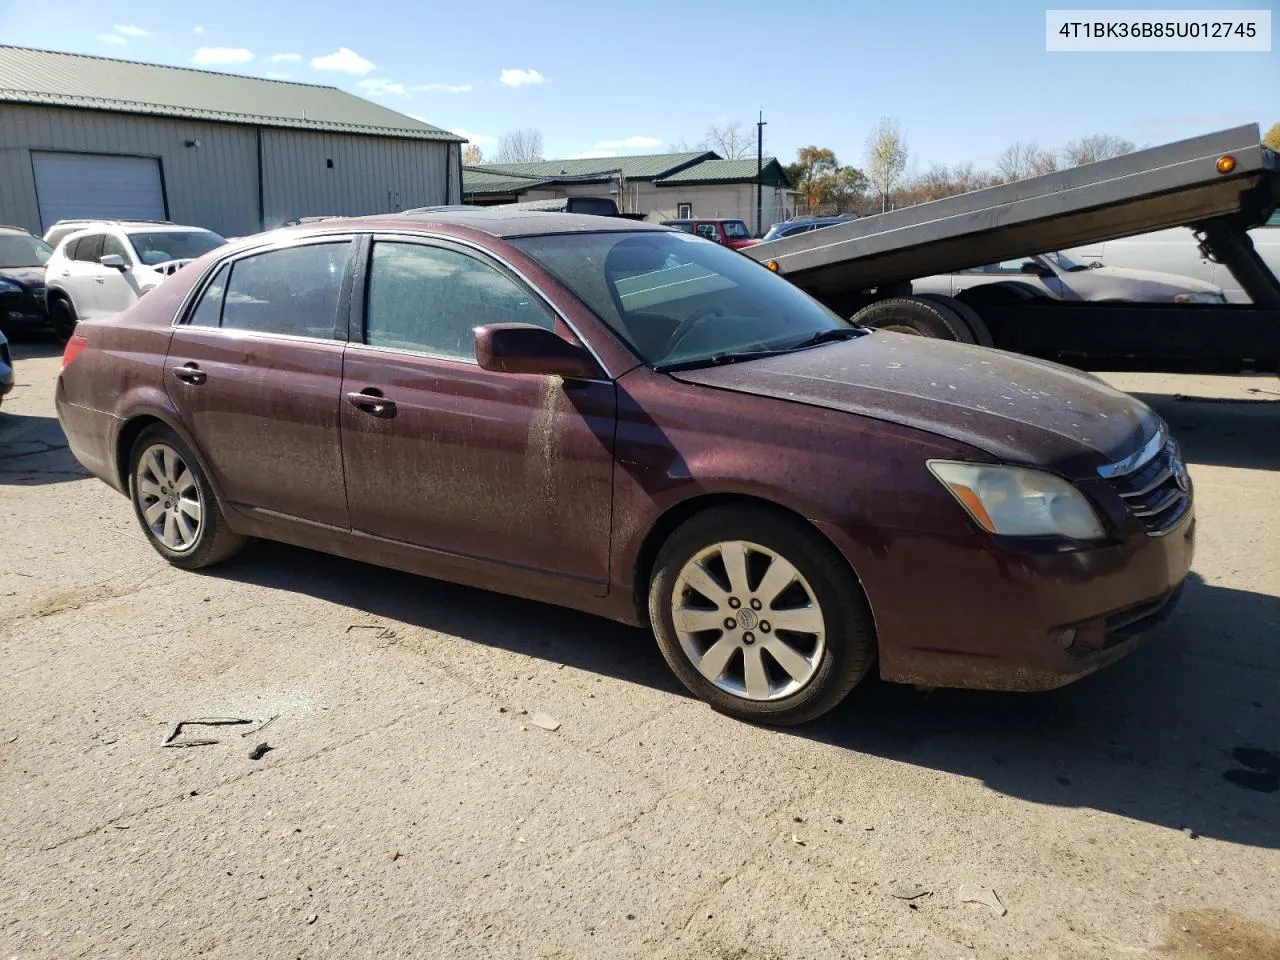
(719, 359)
(827, 336)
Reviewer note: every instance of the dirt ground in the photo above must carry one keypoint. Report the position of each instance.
(410, 806)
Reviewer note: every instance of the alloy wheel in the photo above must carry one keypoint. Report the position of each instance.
(748, 621)
(169, 497)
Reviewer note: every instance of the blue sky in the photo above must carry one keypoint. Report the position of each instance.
(963, 80)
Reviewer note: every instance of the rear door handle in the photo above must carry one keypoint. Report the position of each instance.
(99, 280)
(190, 373)
(371, 400)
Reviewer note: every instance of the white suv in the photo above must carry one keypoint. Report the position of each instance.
(104, 268)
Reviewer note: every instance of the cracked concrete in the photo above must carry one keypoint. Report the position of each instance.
(403, 810)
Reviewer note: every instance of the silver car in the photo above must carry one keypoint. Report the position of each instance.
(1057, 276)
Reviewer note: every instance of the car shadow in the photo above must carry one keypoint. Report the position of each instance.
(1153, 738)
(33, 344)
(1224, 432)
(33, 452)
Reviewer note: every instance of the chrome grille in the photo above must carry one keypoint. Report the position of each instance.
(1157, 492)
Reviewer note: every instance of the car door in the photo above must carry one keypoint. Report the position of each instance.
(487, 468)
(255, 371)
(117, 289)
(80, 275)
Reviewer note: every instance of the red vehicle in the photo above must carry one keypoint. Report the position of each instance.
(734, 234)
(617, 417)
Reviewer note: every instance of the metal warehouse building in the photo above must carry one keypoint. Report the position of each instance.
(88, 136)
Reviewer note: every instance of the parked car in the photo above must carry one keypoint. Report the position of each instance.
(789, 228)
(1177, 250)
(100, 271)
(6, 368)
(1057, 276)
(22, 271)
(734, 234)
(618, 418)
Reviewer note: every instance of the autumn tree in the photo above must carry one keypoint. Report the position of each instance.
(1099, 146)
(472, 156)
(823, 183)
(886, 158)
(1025, 159)
(1272, 137)
(519, 146)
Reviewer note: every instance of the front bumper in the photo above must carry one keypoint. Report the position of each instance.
(23, 310)
(986, 615)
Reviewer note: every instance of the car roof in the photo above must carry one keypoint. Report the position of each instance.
(495, 222)
(8, 230)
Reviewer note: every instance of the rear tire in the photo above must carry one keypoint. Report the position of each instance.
(175, 504)
(62, 318)
(977, 326)
(915, 315)
(760, 616)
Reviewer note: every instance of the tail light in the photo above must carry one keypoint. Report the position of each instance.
(74, 345)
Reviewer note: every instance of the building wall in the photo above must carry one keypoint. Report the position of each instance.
(215, 185)
(717, 200)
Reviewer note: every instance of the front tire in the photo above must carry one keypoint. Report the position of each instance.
(759, 616)
(62, 317)
(175, 504)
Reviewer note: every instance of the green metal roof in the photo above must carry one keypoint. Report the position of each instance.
(100, 83)
(478, 181)
(729, 171)
(644, 167)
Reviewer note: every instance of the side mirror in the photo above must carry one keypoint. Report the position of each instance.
(524, 348)
(1035, 269)
(112, 260)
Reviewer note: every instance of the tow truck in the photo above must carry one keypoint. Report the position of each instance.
(1220, 184)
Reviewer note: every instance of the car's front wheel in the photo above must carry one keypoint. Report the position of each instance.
(175, 503)
(760, 616)
(62, 317)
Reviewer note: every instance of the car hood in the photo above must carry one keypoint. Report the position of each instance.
(26, 277)
(1015, 408)
(1150, 280)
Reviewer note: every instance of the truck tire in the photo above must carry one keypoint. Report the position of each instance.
(977, 326)
(915, 315)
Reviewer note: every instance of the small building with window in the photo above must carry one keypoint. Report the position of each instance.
(667, 186)
(96, 138)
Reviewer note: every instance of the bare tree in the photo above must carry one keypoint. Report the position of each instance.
(682, 146)
(519, 146)
(729, 140)
(1025, 159)
(1099, 146)
(472, 156)
(886, 158)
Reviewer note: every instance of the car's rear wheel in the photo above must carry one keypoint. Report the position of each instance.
(759, 616)
(175, 503)
(62, 317)
(914, 315)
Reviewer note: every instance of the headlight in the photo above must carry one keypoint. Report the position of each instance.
(1017, 502)
(1200, 298)
(8, 286)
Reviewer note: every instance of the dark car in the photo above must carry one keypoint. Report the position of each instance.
(789, 228)
(22, 291)
(6, 368)
(633, 422)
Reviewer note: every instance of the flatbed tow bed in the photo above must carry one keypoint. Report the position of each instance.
(1220, 184)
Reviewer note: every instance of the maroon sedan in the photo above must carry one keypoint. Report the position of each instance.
(631, 421)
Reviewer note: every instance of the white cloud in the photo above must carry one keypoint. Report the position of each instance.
(442, 88)
(112, 38)
(285, 58)
(594, 155)
(381, 87)
(129, 30)
(344, 60)
(521, 78)
(480, 139)
(213, 56)
(197, 29)
(630, 143)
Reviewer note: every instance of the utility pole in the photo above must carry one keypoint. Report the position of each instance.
(759, 172)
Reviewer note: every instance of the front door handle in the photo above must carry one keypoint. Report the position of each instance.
(371, 400)
(190, 373)
(99, 279)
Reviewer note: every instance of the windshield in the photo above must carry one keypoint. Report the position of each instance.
(1063, 262)
(677, 300)
(736, 230)
(22, 251)
(162, 246)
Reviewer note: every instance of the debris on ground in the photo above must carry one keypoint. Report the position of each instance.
(546, 721)
(395, 856)
(908, 891)
(313, 918)
(262, 726)
(172, 739)
(260, 751)
(1191, 834)
(798, 841)
(382, 634)
(972, 893)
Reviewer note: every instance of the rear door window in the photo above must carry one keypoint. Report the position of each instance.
(291, 292)
(208, 312)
